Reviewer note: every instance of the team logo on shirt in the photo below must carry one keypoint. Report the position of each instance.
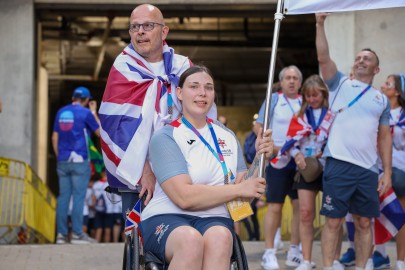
(221, 143)
(190, 142)
(226, 152)
(160, 231)
(378, 99)
(66, 121)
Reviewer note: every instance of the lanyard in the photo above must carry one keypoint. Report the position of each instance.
(217, 154)
(289, 104)
(311, 118)
(355, 99)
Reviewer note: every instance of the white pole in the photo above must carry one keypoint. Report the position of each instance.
(278, 16)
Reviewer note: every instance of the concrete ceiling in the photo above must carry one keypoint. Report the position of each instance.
(79, 43)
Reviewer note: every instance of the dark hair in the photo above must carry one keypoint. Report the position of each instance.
(311, 83)
(373, 52)
(399, 80)
(192, 70)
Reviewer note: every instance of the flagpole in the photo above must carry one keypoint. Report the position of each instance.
(278, 16)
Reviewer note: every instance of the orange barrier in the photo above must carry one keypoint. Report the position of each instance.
(27, 206)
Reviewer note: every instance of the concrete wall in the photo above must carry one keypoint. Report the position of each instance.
(381, 30)
(17, 78)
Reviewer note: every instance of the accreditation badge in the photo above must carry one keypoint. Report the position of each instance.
(239, 209)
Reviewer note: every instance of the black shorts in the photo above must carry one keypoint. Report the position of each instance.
(280, 184)
(315, 185)
(349, 188)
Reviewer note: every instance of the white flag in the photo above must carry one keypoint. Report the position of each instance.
(316, 6)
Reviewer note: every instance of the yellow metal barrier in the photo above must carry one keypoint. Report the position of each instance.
(286, 220)
(27, 206)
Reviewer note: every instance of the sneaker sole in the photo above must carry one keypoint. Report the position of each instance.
(348, 264)
(79, 242)
(292, 264)
(267, 268)
(383, 266)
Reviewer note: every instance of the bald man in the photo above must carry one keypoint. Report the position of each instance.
(139, 99)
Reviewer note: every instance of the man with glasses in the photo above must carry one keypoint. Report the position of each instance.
(139, 99)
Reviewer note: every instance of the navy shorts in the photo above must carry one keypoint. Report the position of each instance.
(104, 220)
(349, 188)
(398, 182)
(155, 230)
(280, 183)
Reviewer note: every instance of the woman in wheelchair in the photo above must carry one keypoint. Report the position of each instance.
(199, 167)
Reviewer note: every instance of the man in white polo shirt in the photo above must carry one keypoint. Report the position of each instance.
(360, 130)
(280, 176)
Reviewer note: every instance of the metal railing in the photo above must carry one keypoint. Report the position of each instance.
(27, 206)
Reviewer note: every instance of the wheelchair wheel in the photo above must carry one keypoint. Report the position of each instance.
(133, 253)
(136, 252)
(239, 261)
(124, 258)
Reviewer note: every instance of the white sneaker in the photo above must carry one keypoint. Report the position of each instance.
(269, 261)
(369, 264)
(337, 265)
(294, 259)
(60, 239)
(400, 265)
(305, 265)
(82, 239)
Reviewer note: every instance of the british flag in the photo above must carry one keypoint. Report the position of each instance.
(133, 218)
(296, 131)
(135, 103)
(387, 225)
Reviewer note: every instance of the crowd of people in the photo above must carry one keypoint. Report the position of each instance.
(162, 140)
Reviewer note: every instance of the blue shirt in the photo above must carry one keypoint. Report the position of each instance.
(73, 124)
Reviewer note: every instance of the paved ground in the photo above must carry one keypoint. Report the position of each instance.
(109, 256)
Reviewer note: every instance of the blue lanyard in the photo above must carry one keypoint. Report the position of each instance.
(355, 99)
(289, 105)
(217, 154)
(311, 118)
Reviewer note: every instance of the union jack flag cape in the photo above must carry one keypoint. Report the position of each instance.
(298, 129)
(387, 225)
(133, 218)
(134, 105)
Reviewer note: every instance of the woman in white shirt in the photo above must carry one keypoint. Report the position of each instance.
(199, 167)
(394, 89)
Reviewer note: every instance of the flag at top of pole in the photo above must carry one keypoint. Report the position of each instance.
(317, 6)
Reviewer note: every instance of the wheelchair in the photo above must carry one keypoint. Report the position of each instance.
(136, 259)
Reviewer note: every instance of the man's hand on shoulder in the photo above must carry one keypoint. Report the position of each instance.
(148, 181)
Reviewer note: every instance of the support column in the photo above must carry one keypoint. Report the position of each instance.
(17, 79)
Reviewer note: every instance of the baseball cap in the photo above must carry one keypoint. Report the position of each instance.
(82, 92)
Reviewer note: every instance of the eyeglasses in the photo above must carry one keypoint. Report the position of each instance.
(148, 26)
(389, 84)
